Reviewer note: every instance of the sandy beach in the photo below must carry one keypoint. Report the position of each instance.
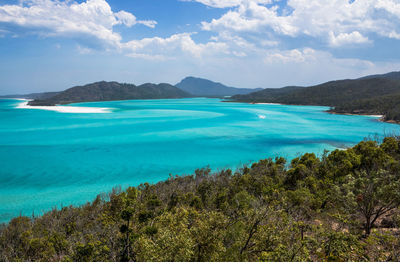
(65, 109)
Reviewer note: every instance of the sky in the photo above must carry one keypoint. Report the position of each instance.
(51, 45)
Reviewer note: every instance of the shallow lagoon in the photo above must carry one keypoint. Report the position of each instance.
(52, 159)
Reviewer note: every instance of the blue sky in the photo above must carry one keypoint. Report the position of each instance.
(48, 45)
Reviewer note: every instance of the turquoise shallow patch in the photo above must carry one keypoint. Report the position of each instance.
(50, 159)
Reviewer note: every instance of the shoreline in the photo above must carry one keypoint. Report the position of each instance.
(64, 109)
(351, 114)
(380, 118)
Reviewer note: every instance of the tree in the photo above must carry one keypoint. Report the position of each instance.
(126, 215)
(373, 194)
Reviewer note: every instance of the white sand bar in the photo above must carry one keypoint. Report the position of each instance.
(66, 109)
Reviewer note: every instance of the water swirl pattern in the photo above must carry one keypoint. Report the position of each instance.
(52, 159)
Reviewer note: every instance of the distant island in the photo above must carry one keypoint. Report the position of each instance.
(204, 87)
(110, 91)
(370, 95)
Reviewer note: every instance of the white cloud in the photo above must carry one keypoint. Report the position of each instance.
(92, 18)
(84, 50)
(173, 46)
(336, 22)
(308, 57)
(290, 56)
(346, 39)
(251, 17)
(226, 3)
(217, 3)
(129, 20)
(246, 48)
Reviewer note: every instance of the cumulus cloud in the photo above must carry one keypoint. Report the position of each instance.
(309, 56)
(92, 18)
(347, 38)
(226, 3)
(247, 47)
(337, 22)
(290, 56)
(168, 48)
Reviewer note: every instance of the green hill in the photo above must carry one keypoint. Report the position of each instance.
(388, 105)
(204, 87)
(343, 206)
(109, 91)
(391, 75)
(327, 94)
(368, 95)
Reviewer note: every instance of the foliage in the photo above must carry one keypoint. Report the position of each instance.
(108, 91)
(377, 95)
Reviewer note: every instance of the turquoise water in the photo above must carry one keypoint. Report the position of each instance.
(50, 159)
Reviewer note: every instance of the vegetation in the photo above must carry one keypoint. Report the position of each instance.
(388, 105)
(369, 95)
(343, 206)
(204, 87)
(108, 91)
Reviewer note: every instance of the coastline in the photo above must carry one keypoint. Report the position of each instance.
(350, 114)
(380, 118)
(64, 109)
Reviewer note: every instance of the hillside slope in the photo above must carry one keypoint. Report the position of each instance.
(204, 87)
(109, 91)
(328, 94)
(391, 75)
(359, 96)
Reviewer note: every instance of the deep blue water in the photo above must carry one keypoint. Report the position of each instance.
(51, 159)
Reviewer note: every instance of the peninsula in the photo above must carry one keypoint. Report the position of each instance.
(371, 95)
(110, 91)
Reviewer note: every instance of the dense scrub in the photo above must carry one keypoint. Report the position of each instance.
(388, 105)
(343, 206)
(359, 96)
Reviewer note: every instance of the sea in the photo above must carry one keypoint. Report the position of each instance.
(56, 158)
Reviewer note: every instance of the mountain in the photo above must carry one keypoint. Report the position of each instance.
(204, 87)
(108, 91)
(327, 94)
(44, 95)
(388, 105)
(266, 95)
(391, 75)
(367, 95)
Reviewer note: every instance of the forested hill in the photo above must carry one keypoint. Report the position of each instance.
(108, 91)
(204, 87)
(327, 94)
(361, 96)
(391, 75)
(341, 207)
